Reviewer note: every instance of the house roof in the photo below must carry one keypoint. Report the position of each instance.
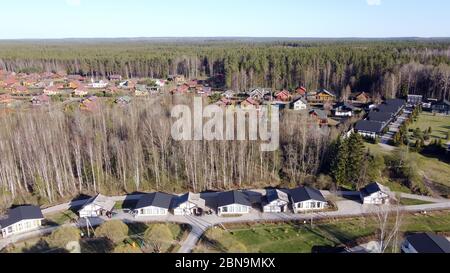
(300, 99)
(327, 92)
(102, 201)
(373, 188)
(306, 193)
(345, 106)
(369, 126)
(21, 213)
(156, 199)
(232, 197)
(395, 102)
(379, 116)
(190, 197)
(446, 102)
(320, 113)
(429, 243)
(273, 195)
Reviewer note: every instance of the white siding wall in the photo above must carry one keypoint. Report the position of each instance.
(233, 209)
(276, 206)
(185, 208)
(367, 134)
(343, 114)
(377, 198)
(90, 210)
(309, 205)
(151, 211)
(298, 106)
(21, 227)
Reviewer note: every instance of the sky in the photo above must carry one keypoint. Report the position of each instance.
(31, 19)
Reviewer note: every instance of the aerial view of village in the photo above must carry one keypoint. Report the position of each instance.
(225, 140)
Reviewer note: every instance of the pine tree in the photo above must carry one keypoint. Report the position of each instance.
(355, 158)
(339, 163)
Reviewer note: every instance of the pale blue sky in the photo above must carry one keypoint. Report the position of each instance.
(207, 18)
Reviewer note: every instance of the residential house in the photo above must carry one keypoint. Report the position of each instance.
(127, 84)
(305, 199)
(182, 89)
(375, 194)
(441, 107)
(20, 220)
(125, 100)
(40, 100)
(319, 116)
(369, 129)
(283, 96)
(19, 89)
(415, 100)
(188, 204)
(177, 79)
(98, 85)
(153, 204)
(322, 96)
(299, 104)
(160, 83)
(81, 91)
(258, 93)
(90, 104)
(275, 201)
(344, 109)
(224, 102)
(301, 91)
(115, 77)
(248, 103)
(75, 84)
(97, 206)
(141, 90)
(233, 202)
(393, 106)
(361, 98)
(52, 90)
(426, 243)
(229, 94)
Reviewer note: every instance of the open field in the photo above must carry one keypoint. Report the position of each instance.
(301, 238)
(440, 125)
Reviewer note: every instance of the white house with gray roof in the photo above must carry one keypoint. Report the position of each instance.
(306, 199)
(154, 204)
(233, 202)
(275, 201)
(97, 206)
(375, 194)
(20, 220)
(188, 204)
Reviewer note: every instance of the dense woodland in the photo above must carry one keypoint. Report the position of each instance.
(50, 154)
(386, 68)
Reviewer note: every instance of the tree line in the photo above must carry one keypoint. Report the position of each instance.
(384, 68)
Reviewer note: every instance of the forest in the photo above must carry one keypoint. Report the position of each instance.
(51, 154)
(385, 68)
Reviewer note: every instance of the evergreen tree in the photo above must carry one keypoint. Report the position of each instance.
(355, 158)
(339, 163)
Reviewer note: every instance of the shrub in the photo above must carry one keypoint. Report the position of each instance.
(159, 236)
(126, 248)
(62, 236)
(116, 231)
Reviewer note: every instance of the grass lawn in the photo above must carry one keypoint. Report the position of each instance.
(440, 125)
(62, 218)
(412, 202)
(292, 238)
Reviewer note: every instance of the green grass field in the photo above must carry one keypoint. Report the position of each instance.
(290, 238)
(440, 125)
(62, 217)
(412, 202)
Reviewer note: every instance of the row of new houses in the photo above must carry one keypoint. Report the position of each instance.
(303, 199)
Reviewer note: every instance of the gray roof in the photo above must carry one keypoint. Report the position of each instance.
(429, 243)
(380, 116)
(345, 106)
(102, 201)
(21, 213)
(273, 195)
(156, 199)
(189, 197)
(320, 113)
(306, 193)
(369, 126)
(373, 188)
(232, 197)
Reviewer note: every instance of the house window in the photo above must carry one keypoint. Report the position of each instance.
(10, 229)
(224, 209)
(300, 205)
(313, 205)
(318, 205)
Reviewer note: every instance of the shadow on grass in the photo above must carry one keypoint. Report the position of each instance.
(97, 245)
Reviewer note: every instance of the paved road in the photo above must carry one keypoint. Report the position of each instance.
(346, 208)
